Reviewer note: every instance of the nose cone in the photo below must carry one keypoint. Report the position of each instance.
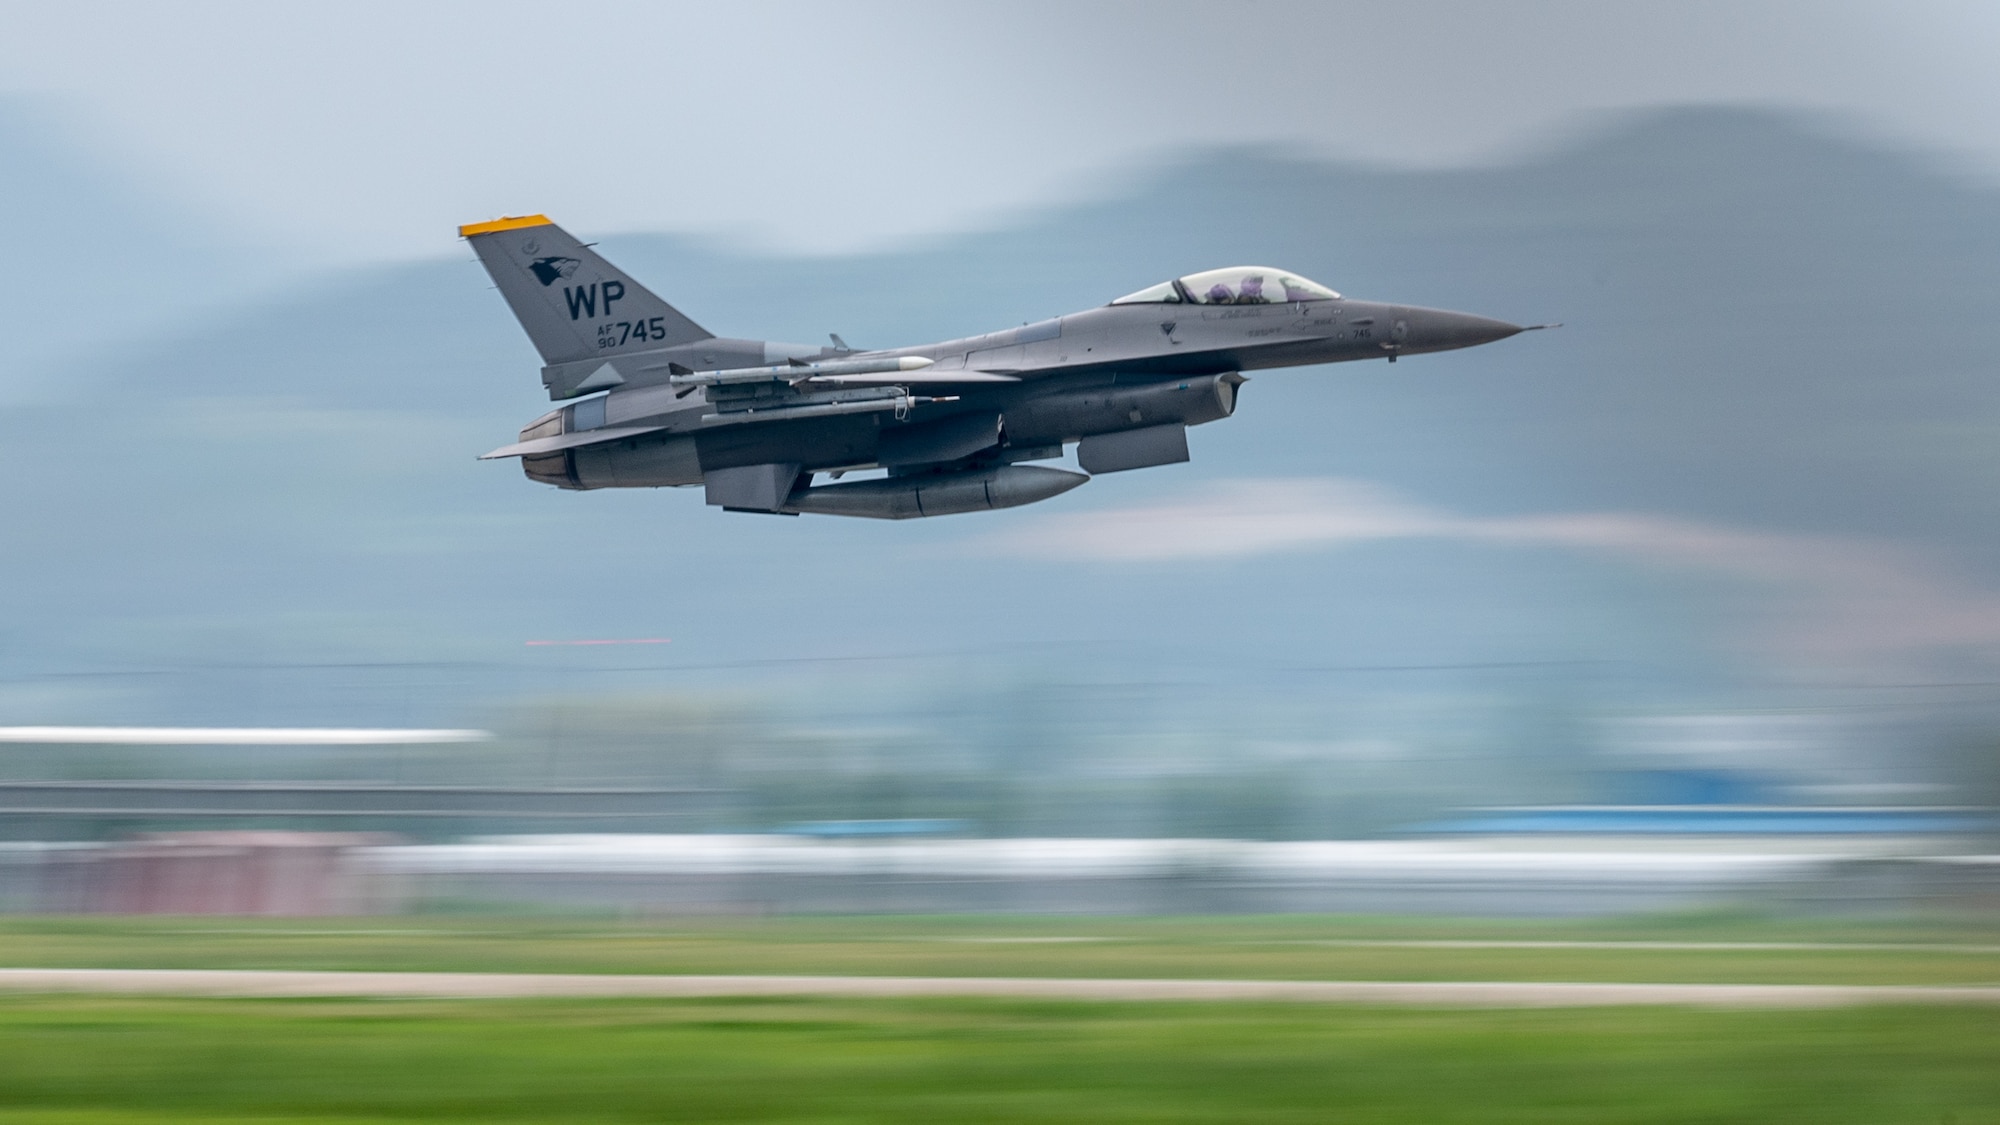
(1438, 330)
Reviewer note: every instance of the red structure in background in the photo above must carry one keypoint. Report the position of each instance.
(252, 873)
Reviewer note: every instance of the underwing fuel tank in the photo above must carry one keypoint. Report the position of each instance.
(944, 494)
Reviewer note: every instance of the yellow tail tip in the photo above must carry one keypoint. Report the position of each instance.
(508, 223)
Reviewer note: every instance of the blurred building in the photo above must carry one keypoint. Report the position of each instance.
(248, 873)
(663, 805)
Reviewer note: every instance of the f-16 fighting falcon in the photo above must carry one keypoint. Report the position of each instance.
(956, 425)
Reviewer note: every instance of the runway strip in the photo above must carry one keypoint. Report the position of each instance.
(1424, 994)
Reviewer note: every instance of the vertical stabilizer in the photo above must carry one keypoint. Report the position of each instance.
(573, 304)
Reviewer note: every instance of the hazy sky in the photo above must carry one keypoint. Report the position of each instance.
(366, 130)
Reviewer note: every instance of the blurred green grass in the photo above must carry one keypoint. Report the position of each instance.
(1303, 947)
(78, 1060)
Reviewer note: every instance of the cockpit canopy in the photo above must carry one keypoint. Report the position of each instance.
(1237, 285)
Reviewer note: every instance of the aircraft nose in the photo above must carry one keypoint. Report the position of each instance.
(1442, 330)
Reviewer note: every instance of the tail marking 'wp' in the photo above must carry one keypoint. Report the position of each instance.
(582, 299)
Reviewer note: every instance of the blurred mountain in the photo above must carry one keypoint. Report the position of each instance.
(99, 256)
(1769, 327)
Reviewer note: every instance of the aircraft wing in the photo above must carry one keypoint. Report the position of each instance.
(773, 413)
(559, 442)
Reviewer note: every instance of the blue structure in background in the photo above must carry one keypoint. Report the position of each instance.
(1717, 802)
(1691, 787)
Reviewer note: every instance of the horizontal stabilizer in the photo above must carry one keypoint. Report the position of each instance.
(561, 442)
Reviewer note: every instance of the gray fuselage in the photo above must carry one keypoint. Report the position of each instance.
(954, 424)
(1100, 371)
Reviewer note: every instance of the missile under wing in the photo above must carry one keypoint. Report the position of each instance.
(655, 400)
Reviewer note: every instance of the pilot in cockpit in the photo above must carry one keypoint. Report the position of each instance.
(1240, 285)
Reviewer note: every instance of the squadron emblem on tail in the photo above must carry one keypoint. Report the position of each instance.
(552, 269)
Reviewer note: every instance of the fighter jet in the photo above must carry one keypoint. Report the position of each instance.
(662, 402)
